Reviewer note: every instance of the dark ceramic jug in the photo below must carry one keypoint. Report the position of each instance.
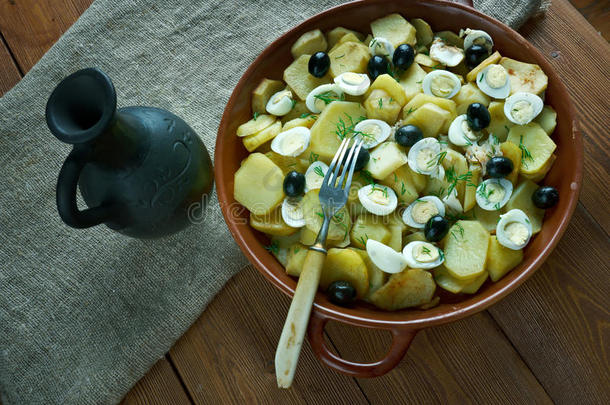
(140, 170)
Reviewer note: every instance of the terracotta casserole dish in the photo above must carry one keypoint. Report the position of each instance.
(566, 176)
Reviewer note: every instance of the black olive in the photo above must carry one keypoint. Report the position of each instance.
(478, 116)
(294, 184)
(545, 197)
(436, 228)
(499, 166)
(378, 65)
(319, 63)
(362, 159)
(408, 135)
(341, 293)
(475, 55)
(404, 56)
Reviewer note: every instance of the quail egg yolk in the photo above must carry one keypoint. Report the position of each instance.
(423, 211)
(425, 253)
(371, 130)
(279, 96)
(468, 132)
(522, 111)
(291, 144)
(441, 86)
(379, 196)
(313, 178)
(352, 79)
(516, 232)
(496, 76)
(294, 211)
(424, 157)
(495, 192)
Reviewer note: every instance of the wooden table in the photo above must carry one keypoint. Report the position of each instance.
(546, 342)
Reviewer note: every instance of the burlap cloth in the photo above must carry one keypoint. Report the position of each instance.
(85, 313)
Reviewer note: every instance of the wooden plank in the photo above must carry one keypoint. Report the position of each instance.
(469, 361)
(9, 74)
(597, 13)
(581, 57)
(160, 386)
(227, 355)
(31, 27)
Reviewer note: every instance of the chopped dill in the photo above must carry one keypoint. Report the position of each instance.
(344, 129)
(273, 248)
(459, 229)
(329, 96)
(294, 103)
(367, 176)
(425, 250)
(318, 171)
(525, 154)
(255, 116)
(481, 77)
(453, 179)
(305, 115)
(437, 160)
(339, 57)
(313, 157)
(380, 103)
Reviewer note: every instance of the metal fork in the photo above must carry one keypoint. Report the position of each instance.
(333, 196)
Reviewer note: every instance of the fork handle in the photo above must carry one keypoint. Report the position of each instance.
(291, 340)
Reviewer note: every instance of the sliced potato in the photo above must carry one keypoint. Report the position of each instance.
(402, 183)
(395, 241)
(524, 77)
(252, 142)
(298, 111)
(409, 288)
(489, 219)
(255, 125)
(271, 223)
(384, 159)
(411, 80)
(491, 60)
(450, 38)
(430, 118)
(471, 191)
(475, 284)
(446, 281)
(395, 29)
(532, 139)
(468, 94)
(426, 61)
(298, 78)
(324, 139)
(415, 237)
(295, 259)
(391, 86)
(345, 265)
(309, 43)
(369, 226)
(423, 32)
(455, 165)
(263, 92)
(501, 259)
(547, 119)
(340, 224)
(286, 163)
(348, 57)
(522, 199)
(421, 99)
(307, 122)
(499, 125)
(542, 172)
(466, 247)
(512, 151)
(333, 36)
(377, 277)
(258, 184)
(381, 106)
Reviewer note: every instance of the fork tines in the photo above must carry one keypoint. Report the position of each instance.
(349, 163)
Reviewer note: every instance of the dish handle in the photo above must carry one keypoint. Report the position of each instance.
(401, 340)
(464, 2)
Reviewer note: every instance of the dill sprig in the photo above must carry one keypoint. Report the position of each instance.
(453, 179)
(255, 115)
(525, 154)
(380, 103)
(329, 96)
(362, 240)
(313, 157)
(273, 248)
(367, 176)
(318, 171)
(347, 129)
(437, 160)
(460, 231)
(383, 190)
(425, 250)
(305, 115)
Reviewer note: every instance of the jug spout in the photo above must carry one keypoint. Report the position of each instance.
(82, 106)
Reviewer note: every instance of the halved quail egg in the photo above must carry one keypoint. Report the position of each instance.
(314, 175)
(381, 46)
(493, 81)
(521, 108)
(514, 229)
(378, 199)
(477, 37)
(354, 84)
(323, 95)
(280, 103)
(424, 156)
(421, 210)
(387, 259)
(423, 255)
(292, 142)
(493, 194)
(460, 133)
(292, 212)
(441, 83)
(372, 132)
(446, 54)
(453, 203)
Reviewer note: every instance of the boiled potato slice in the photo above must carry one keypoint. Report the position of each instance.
(427, 62)
(381, 106)
(421, 99)
(522, 199)
(340, 224)
(499, 125)
(456, 166)
(423, 32)
(468, 94)
(512, 151)
(384, 159)
(336, 116)
(466, 247)
(475, 284)
(547, 119)
(447, 282)
(369, 226)
(395, 241)
(471, 191)
(255, 125)
(271, 223)
(263, 92)
(409, 288)
(391, 86)
(415, 237)
(333, 36)
(430, 118)
(309, 43)
(258, 184)
(501, 259)
(411, 80)
(532, 139)
(395, 29)
(524, 77)
(286, 163)
(377, 277)
(345, 265)
(308, 237)
(300, 81)
(402, 183)
(252, 142)
(349, 37)
(299, 110)
(437, 187)
(541, 174)
(489, 219)
(450, 38)
(491, 60)
(307, 122)
(295, 259)
(348, 57)
(286, 241)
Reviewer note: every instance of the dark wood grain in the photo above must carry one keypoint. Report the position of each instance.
(9, 74)
(597, 13)
(160, 386)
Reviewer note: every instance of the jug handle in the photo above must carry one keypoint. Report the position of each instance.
(66, 195)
